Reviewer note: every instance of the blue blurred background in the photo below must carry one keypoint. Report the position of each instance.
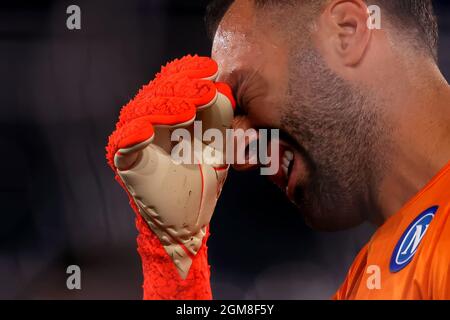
(60, 95)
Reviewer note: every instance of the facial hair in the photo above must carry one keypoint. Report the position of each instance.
(341, 135)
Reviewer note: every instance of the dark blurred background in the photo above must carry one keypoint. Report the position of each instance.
(60, 95)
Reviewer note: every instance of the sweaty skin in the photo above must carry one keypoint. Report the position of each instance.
(357, 107)
(246, 62)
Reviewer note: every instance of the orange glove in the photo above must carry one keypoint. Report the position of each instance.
(173, 202)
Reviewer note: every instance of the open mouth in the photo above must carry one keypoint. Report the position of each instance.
(292, 169)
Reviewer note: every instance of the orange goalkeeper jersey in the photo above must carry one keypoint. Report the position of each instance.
(409, 255)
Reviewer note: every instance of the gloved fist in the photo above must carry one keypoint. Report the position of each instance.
(176, 200)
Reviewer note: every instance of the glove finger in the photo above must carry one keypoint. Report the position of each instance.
(164, 111)
(173, 102)
(219, 113)
(128, 139)
(198, 91)
(219, 116)
(193, 67)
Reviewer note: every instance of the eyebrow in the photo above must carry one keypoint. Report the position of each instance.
(236, 80)
(239, 82)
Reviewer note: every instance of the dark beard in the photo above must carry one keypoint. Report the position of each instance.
(340, 131)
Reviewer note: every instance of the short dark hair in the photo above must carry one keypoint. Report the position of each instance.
(417, 15)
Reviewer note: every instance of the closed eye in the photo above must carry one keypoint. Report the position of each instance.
(240, 110)
(243, 83)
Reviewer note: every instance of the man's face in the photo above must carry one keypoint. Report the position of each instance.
(281, 81)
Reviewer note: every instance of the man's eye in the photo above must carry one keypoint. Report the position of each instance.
(240, 110)
(242, 105)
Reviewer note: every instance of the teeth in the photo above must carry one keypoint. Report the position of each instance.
(288, 156)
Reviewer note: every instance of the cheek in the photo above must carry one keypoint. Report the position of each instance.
(241, 122)
(265, 115)
(272, 105)
(269, 109)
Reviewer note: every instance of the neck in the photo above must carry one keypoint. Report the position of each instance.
(420, 140)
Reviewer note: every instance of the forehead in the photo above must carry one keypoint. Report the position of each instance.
(235, 35)
(242, 41)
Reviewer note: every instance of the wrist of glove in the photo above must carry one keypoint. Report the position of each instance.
(173, 202)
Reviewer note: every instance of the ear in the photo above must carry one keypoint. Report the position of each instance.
(343, 31)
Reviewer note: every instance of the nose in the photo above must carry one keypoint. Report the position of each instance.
(241, 123)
